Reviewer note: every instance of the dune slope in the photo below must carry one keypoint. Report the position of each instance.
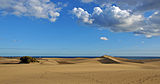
(80, 71)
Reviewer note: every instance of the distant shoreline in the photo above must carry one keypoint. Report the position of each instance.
(127, 57)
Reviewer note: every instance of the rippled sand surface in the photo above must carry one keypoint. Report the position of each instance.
(106, 70)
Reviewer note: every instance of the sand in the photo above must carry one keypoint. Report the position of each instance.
(105, 70)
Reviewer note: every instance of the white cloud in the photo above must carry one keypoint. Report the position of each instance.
(97, 10)
(136, 5)
(121, 20)
(104, 38)
(44, 9)
(83, 16)
(112, 18)
(152, 26)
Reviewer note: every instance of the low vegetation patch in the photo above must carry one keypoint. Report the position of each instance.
(28, 59)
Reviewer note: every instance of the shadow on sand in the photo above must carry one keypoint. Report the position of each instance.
(9, 63)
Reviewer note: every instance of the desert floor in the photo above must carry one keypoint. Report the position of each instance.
(80, 71)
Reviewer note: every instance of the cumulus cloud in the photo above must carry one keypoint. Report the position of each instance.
(152, 27)
(137, 5)
(112, 18)
(44, 9)
(83, 16)
(104, 38)
(116, 19)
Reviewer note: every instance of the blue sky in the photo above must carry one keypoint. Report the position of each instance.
(34, 33)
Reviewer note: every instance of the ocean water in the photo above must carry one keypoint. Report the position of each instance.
(128, 57)
(57, 56)
(139, 57)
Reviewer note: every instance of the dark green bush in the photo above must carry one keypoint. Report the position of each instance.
(28, 59)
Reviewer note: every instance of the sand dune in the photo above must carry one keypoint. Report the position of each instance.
(103, 70)
(100, 60)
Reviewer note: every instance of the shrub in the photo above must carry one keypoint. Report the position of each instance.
(28, 59)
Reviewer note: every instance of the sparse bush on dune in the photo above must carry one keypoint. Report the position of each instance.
(28, 59)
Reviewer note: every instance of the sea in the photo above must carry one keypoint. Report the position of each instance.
(128, 57)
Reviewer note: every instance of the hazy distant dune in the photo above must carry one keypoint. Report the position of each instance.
(99, 60)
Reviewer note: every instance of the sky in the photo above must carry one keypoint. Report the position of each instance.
(79, 27)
